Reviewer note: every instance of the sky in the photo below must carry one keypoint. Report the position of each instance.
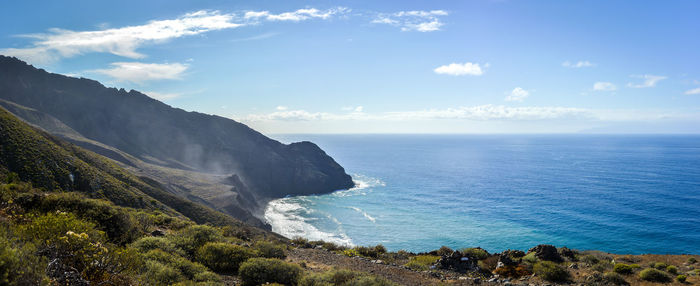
(384, 66)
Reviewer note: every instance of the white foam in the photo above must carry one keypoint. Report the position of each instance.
(362, 185)
(365, 214)
(285, 217)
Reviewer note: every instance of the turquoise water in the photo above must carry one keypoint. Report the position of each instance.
(622, 194)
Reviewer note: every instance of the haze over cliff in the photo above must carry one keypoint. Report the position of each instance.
(206, 158)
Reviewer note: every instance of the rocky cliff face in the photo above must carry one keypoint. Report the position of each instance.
(161, 135)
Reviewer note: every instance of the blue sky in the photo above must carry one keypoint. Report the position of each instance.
(384, 66)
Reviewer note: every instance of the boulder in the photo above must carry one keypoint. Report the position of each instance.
(457, 262)
(570, 254)
(546, 252)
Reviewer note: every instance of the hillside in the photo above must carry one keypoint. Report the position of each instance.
(205, 158)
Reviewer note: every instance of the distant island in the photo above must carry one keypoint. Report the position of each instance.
(101, 186)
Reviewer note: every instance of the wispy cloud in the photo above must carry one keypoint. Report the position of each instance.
(649, 81)
(693, 91)
(256, 37)
(604, 86)
(161, 95)
(518, 94)
(137, 72)
(125, 41)
(295, 16)
(458, 69)
(579, 64)
(421, 21)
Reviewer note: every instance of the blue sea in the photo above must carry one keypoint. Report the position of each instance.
(617, 193)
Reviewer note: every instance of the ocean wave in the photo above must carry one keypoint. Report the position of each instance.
(365, 214)
(286, 216)
(363, 184)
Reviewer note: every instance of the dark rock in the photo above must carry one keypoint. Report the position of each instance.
(157, 233)
(457, 262)
(570, 254)
(506, 259)
(546, 252)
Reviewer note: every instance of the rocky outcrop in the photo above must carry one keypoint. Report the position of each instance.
(546, 252)
(457, 262)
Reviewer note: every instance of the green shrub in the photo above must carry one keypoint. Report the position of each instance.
(416, 266)
(257, 271)
(614, 278)
(681, 278)
(660, 265)
(193, 237)
(223, 257)
(351, 253)
(269, 249)
(160, 274)
(550, 271)
(187, 268)
(692, 260)
(622, 268)
(148, 243)
(654, 275)
(530, 258)
(373, 252)
(19, 265)
(49, 227)
(635, 266)
(475, 252)
(672, 269)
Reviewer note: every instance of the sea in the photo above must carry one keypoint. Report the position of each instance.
(625, 194)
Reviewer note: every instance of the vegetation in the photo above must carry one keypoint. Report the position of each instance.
(660, 265)
(672, 269)
(257, 271)
(476, 252)
(223, 257)
(622, 268)
(421, 262)
(551, 271)
(654, 275)
(614, 278)
(692, 260)
(681, 278)
(513, 271)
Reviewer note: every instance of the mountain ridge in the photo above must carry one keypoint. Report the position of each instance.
(129, 124)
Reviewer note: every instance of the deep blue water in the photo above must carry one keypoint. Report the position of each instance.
(622, 194)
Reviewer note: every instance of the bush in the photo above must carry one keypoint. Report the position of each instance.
(351, 253)
(421, 262)
(490, 263)
(475, 252)
(672, 269)
(614, 278)
(49, 227)
(622, 268)
(269, 249)
(257, 271)
(681, 278)
(416, 266)
(550, 271)
(19, 265)
(161, 274)
(654, 275)
(223, 257)
(660, 265)
(373, 252)
(190, 270)
(602, 266)
(530, 258)
(692, 260)
(193, 237)
(148, 243)
(513, 271)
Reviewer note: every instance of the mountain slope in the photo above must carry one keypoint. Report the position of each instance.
(51, 164)
(157, 133)
(208, 159)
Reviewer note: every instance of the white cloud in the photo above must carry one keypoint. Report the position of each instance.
(458, 69)
(518, 94)
(125, 41)
(295, 16)
(482, 112)
(421, 21)
(137, 72)
(693, 91)
(579, 64)
(281, 107)
(162, 96)
(649, 80)
(604, 86)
